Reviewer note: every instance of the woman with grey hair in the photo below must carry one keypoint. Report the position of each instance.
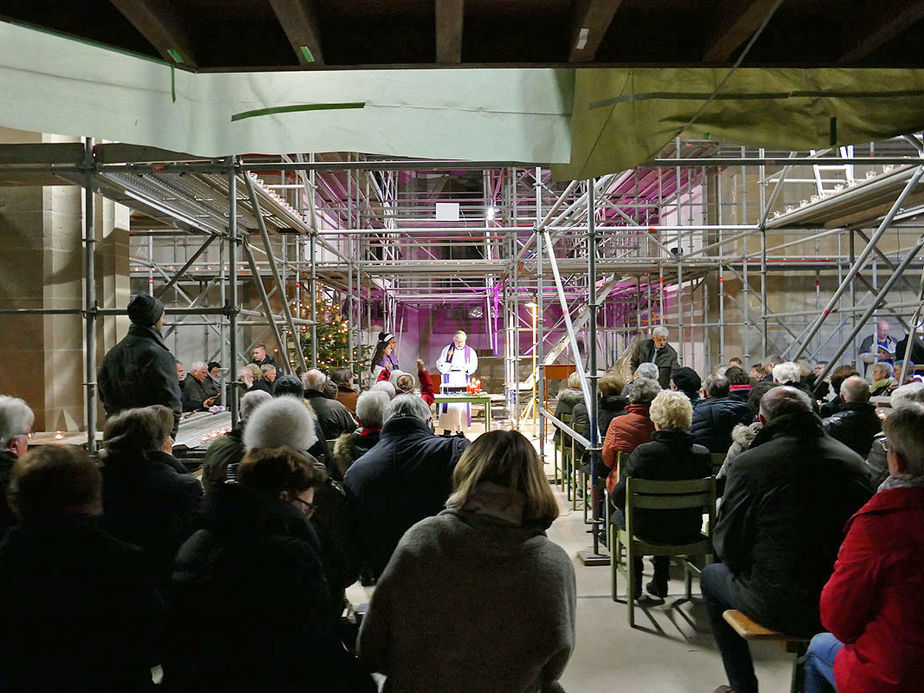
(16, 419)
(883, 380)
(628, 432)
(370, 410)
(148, 499)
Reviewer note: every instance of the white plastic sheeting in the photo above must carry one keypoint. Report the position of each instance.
(56, 85)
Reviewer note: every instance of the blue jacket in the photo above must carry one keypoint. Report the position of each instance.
(713, 421)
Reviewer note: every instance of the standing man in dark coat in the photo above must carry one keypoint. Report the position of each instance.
(404, 478)
(261, 358)
(657, 351)
(856, 423)
(140, 371)
(780, 526)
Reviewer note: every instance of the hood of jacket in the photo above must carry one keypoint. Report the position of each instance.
(744, 435)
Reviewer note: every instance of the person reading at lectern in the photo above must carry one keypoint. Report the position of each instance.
(457, 362)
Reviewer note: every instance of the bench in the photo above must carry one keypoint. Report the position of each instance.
(751, 630)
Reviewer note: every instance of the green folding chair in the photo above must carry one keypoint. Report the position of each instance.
(644, 494)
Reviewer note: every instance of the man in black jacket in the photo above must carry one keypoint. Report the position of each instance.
(716, 416)
(139, 371)
(657, 351)
(780, 526)
(334, 417)
(855, 424)
(404, 478)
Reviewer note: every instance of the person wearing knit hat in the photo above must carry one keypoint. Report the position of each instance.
(140, 371)
(146, 311)
(688, 382)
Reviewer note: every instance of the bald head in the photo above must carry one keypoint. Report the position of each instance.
(882, 329)
(784, 400)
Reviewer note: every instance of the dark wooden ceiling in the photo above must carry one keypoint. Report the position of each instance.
(212, 35)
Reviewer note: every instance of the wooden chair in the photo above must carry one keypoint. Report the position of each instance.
(751, 630)
(718, 459)
(644, 494)
(621, 459)
(580, 479)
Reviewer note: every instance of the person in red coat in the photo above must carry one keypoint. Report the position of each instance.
(629, 431)
(872, 604)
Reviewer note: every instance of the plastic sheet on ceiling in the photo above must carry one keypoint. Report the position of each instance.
(57, 85)
(623, 117)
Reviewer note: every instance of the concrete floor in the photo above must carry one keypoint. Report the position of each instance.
(671, 649)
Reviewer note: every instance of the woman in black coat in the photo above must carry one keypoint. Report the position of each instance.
(250, 603)
(670, 456)
(148, 498)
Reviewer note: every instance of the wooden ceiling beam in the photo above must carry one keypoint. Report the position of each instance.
(589, 23)
(737, 22)
(450, 16)
(877, 26)
(161, 27)
(299, 20)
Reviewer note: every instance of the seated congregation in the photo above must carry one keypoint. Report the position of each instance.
(237, 581)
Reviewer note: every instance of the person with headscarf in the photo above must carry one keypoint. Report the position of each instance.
(140, 371)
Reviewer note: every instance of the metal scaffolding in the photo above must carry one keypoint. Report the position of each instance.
(734, 250)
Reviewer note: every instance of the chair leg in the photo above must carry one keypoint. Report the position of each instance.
(630, 574)
(688, 578)
(797, 683)
(614, 556)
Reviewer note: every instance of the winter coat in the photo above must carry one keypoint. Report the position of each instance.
(567, 400)
(347, 396)
(137, 372)
(224, 451)
(335, 523)
(351, 446)
(250, 608)
(608, 408)
(199, 392)
(7, 460)
(855, 425)
(781, 520)
(78, 610)
(742, 437)
(873, 601)
(475, 641)
(877, 464)
(713, 421)
(670, 456)
(334, 417)
(148, 502)
(831, 407)
(624, 435)
(667, 361)
(404, 478)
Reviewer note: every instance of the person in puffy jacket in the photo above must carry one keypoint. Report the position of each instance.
(628, 432)
(567, 400)
(872, 603)
(856, 423)
(716, 416)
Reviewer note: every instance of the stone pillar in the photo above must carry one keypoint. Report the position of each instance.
(42, 266)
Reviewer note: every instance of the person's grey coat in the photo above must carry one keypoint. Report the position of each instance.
(508, 624)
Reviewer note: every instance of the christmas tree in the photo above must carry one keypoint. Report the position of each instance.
(332, 332)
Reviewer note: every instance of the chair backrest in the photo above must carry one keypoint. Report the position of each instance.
(621, 460)
(687, 494)
(718, 459)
